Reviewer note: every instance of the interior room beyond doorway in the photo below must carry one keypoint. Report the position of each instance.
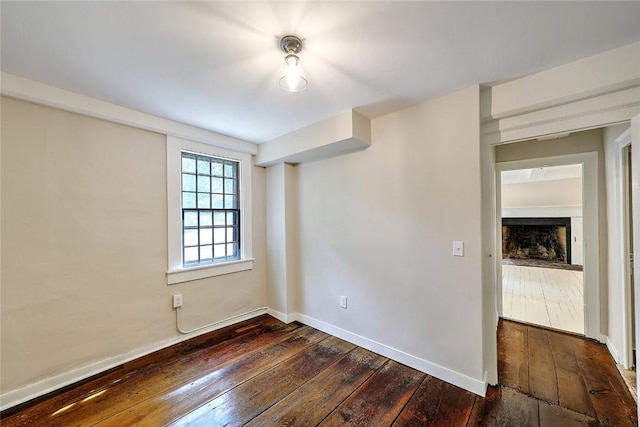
(542, 247)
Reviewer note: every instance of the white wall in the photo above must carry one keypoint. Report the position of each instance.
(377, 226)
(561, 192)
(84, 220)
(282, 240)
(276, 239)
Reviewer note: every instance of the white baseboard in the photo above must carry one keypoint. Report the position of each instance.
(286, 318)
(613, 350)
(473, 385)
(47, 385)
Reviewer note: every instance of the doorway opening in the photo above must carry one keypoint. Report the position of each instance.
(542, 247)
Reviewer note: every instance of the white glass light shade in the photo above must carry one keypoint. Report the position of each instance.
(293, 80)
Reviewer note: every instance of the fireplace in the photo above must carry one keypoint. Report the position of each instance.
(543, 239)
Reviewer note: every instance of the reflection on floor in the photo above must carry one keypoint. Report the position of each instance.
(544, 296)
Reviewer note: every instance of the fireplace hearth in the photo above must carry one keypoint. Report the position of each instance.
(543, 239)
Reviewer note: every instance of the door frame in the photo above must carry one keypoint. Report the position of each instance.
(635, 195)
(591, 241)
(624, 220)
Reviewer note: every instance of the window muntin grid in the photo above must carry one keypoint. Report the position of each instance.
(210, 209)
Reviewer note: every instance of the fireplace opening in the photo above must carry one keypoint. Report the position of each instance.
(539, 239)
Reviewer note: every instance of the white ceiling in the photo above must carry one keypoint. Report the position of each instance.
(547, 173)
(216, 65)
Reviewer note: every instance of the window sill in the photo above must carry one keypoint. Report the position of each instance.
(202, 272)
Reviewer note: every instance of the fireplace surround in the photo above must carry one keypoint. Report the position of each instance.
(543, 239)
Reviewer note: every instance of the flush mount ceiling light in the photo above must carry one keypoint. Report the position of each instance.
(293, 80)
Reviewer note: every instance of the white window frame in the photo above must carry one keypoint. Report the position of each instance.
(177, 272)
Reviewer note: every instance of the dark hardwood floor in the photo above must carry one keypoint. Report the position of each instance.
(262, 372)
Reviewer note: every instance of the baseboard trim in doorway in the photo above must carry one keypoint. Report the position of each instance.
(630, 380)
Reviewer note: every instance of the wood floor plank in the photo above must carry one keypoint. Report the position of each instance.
(179, 399)
(572, 390)
(124, 387)
(422, 408)
(611, 372)
(513, 361)
(611, 408)
(543, 382)
(243, 403)
(504, 406)
(311, 403)
(552, 415)
(380, 399)
(455, 406)
(437, 403)
(174, 374)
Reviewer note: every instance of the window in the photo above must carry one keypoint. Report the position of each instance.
(209, 210)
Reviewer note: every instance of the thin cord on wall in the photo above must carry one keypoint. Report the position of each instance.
(222, 323)
(190, 330)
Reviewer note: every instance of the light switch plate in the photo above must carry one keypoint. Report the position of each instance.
(343, 301)
(458, 248)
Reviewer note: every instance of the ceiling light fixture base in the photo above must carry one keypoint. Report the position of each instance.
(291, 44)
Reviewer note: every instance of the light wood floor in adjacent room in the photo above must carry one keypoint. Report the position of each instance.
(544, 296)
(262, 372)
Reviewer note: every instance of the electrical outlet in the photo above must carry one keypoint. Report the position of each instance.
(343, 301)
(177, 300)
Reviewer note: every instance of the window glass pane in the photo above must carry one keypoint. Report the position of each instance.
(231, 218)
(188, 200)
(205, 219)
(188, 182)
(216, 169)
(232, 249)
(230, 171)
(191, 254)
(230, 186)
(218, 235)
(203, 167)
(188, 164)
(217, 201)
(218, 218)
(191, 219)
(218, 251)
(204, 184)
(205, 236)
(208, 186)
(204, 200)
(190, 237)
(206, 253)
(216, 185)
